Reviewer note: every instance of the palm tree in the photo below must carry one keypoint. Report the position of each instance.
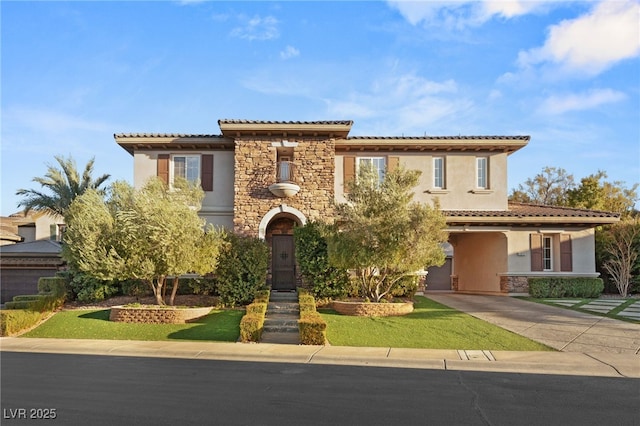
(64, 184)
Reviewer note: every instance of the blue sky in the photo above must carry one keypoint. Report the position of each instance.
(565, 73)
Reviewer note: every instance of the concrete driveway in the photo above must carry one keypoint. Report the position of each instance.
(561, 329)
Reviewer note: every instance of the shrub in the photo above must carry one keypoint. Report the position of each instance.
(256, 308)
(135, 287)
(251, 326)
(323, 280)
(406, 287)
(242, 269)
(262, 296)
(14, 321)
(89, 289)
(201, 285)
(313, 329)
(565, 287)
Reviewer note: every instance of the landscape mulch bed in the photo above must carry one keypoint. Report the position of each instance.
(181, 300)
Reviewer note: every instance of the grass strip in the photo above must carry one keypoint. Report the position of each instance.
(430, 326)
(578, 307)
(219, 325)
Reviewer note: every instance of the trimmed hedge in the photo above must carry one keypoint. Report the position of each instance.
(313, 329)
(252, 323)
(14, 321)
(51, 296)
(565, 287)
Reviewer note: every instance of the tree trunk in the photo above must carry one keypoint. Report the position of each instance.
(174, 290)
(157, 290)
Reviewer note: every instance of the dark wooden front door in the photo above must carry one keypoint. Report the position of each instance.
(283, 263)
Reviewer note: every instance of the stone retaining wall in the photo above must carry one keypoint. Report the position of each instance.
(514, 284)
(151, 315)
(364, 309)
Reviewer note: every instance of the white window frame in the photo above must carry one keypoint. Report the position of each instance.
(547, 253)
(439, 175)
(482, 172)
(381, 170)
(172, 167)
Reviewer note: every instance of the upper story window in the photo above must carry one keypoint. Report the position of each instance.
(438, 173)
(482, 172)
(376, 163)
(186, 167)
(192, 167)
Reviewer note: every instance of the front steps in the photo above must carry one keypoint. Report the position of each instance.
(281, 320)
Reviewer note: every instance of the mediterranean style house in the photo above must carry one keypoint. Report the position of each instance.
(262, 178)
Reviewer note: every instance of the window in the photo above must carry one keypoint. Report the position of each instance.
(482, 174)
(438, 173)
(547, 254)
(551, 252)
(191, 167)
(376, 163)
(187, 167)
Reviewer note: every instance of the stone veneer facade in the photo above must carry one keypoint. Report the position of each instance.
(255, 170)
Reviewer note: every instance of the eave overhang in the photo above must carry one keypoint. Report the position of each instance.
(522, 215)
(506, 144)
(132, 142)
(284, 129)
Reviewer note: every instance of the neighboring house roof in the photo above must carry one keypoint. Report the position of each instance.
(33, 248)
(9, 230)
(530, 214)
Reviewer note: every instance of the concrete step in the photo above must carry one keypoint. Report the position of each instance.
(283, 307)
(281, 319)
(279, 296)
(280, 328)
(281, 338)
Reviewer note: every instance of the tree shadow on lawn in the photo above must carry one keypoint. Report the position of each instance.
(97, 315)
(220, 326)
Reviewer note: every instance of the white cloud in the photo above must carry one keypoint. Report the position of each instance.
(558, 104)
(47, 121)
(289, 52)
(400, 104)
(257, 28)
(459, 14)
(590, 43)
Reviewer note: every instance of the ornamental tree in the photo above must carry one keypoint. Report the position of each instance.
(382, 235)
(150, 234)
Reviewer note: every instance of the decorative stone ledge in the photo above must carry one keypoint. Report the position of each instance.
(156, 315)
(370, 309)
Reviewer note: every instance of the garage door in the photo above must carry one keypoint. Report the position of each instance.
(14, 282)
(438, 277)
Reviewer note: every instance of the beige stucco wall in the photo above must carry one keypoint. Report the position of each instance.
(460, 178)
(217, 206)
(582, 250)
(479, 258)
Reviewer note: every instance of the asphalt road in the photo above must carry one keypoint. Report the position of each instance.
(104, 390)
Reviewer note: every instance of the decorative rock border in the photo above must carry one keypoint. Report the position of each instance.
(156, 315)
(369, 309)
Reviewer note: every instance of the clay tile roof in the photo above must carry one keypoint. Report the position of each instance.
(164, 135)
(436, 138)
(532, 213)
(319, 122)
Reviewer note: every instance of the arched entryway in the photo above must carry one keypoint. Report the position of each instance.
(277, 230)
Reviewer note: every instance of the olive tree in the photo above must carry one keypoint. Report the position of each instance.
(151, 234)
(382, 235)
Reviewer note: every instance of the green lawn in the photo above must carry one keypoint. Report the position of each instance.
(219, 325)
(430, 326)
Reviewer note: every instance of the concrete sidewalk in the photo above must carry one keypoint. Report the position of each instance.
(556, 327)
(560, 363)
